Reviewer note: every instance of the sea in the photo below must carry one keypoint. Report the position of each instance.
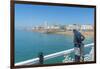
(28, 45)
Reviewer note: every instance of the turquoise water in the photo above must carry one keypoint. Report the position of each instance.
(28, 44)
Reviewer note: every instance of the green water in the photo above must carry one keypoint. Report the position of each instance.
(28, 45)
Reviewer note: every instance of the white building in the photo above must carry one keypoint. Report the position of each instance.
(73, 26)
(79, 27)
(87, 27)
(55, 27)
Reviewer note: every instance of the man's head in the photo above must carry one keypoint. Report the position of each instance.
(74, 30)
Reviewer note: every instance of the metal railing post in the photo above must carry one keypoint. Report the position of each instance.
(41, 58)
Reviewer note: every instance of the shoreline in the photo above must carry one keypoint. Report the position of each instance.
(86, 33)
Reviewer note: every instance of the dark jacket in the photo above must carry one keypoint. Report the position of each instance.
(78, 37)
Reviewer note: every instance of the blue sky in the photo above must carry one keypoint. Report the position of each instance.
(31, 15)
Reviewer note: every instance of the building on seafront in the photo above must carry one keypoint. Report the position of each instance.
(87, 27)
(84, 27)
(69, 27)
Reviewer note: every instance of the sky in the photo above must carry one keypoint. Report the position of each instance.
(27, 15)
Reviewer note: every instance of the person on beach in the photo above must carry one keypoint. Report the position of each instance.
(78, 46)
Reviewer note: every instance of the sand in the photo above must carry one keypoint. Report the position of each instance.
(86, 33)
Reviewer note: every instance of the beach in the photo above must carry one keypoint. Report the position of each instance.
(63, 32)
(85, 33)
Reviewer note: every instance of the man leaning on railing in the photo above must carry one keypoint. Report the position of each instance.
(78, 46)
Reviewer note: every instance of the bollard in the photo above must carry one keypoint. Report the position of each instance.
(41, 58)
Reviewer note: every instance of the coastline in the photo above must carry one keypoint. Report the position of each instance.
(86, 33)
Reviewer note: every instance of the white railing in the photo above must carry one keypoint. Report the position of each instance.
(36, 60)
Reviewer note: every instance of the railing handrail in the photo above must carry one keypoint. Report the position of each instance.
(36, 60)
